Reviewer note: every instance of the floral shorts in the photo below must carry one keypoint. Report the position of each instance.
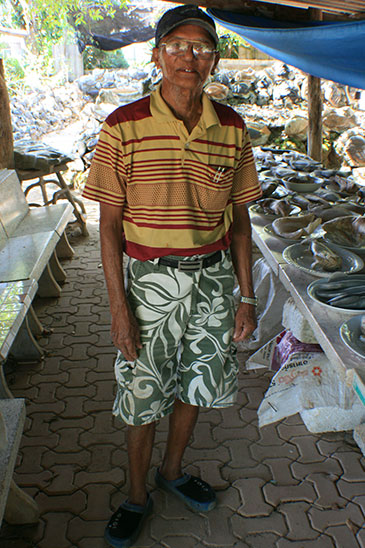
(186, 322)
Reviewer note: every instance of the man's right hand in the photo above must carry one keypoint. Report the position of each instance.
(125, 335)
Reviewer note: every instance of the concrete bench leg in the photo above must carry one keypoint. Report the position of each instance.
(20, 508)
(47, 284)
(63, 248)
(25, 348)
(56, 268)
(4, 390)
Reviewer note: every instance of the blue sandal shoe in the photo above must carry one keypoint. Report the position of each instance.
(196, 493)
(126, 523)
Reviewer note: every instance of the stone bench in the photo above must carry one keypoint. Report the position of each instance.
(15, 504)
(31, 242)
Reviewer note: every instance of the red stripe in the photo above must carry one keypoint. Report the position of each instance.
(216, 144)
(152, 138)
(145, 253)
(227, 116)
(138, 110)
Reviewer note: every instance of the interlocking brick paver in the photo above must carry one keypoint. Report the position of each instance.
(308, 449)
(50, 458)
(246, 431)
(288, 431)
(269, 436)
(161, 527)
(51, 441)
(328, 447)
(74, 409)
(274, 523)
(275, 494)
(299, 525)
(253, 500)
(259, 471)
(241, 456)
(61, 481)
(202, 437)
(55, 521)
(281, 471)
(178, 542)
(352, 464)
(321, 519)
(77, 377)
(328, 466)
(328, 495)
(360, 501)
(229, 497)
(78, 529)
(220, 453)
(210, 470)
(38, 480)
(46, 378)
(283, 450)
(98, 496)
(342, 536)
(74, 502)
(31, 460)
(105, 391)
(361, 537)
(323, 541)
(56, 408)
(219, 529)
(114, 476)
(69, 391)
(248, 415)
(261, 540)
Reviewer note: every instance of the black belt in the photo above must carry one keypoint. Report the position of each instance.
(192, 266)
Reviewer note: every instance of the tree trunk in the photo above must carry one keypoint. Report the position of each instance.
(315, 107)
(6, 130)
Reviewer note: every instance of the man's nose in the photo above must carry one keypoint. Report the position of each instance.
(189, 53)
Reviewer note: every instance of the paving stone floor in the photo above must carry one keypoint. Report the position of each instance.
(279, 486)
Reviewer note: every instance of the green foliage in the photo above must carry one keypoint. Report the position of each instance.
(95, 58)
(229, 44)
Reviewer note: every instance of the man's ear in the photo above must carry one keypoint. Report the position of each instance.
(216, 61)
(156, 57)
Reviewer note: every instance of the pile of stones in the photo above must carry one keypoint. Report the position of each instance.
(271, 98)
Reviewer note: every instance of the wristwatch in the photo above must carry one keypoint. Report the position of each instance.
(249, 300)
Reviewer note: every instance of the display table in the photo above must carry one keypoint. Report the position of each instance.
(325, 322)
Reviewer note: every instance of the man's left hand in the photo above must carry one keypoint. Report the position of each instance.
(245, 322)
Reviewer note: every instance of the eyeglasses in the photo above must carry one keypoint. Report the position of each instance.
(180, 47)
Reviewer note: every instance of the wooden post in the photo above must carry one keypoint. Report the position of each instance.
(6, 130)
(314, 137)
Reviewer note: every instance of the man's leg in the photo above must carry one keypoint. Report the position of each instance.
(196, 493)
(181, 426)
(140, 444)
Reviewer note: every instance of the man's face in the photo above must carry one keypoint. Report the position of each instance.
(185, 70)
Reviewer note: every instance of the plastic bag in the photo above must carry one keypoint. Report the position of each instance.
(271, 296)
(305, 379)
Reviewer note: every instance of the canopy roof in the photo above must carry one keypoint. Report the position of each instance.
(327, 49)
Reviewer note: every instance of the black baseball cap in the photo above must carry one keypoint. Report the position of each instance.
(185, 15)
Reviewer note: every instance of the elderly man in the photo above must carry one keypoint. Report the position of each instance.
(173, 172)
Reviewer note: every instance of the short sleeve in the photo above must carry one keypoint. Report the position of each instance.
(106, 181)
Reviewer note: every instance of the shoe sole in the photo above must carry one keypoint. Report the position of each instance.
(193, 505)
(128, 542)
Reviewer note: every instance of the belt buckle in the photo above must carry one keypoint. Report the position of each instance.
(189, 266)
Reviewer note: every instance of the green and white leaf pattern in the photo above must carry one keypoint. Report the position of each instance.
(186, 323)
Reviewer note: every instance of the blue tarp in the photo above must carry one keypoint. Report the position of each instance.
(331, 50)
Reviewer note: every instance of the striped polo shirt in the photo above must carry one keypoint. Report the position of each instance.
(176, 189)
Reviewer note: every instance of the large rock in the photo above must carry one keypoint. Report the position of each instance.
(297, 127)
(339, 119)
